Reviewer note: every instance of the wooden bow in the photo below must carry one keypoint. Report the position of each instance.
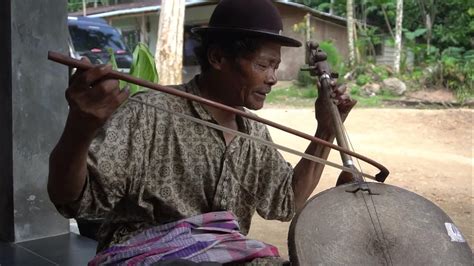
(66, 60)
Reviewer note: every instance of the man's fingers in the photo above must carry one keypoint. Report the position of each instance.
(345, 104)
(123, 95)
(340, 90)
(79, 72)
(97, 73)
(105, 87)
(85, 59)
(86, 79)
(116, 95)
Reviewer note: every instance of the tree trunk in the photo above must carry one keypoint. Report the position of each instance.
(308, 27)
(350, 31)
(169, 47)
(428, 11)
(398, 36)
(387, 22)
(84, 12)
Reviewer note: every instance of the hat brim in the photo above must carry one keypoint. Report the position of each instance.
(282, 40)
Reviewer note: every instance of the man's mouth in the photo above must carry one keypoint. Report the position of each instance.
(263, 93)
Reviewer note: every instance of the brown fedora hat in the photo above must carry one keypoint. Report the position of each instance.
(258, 18)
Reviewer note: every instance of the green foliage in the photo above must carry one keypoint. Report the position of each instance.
(143, 67)
(304, 79)
(412, 35)
(355, 90)
(452, 69)
(457, 71)
(369, 73)
(372, 101)
(363, 79)
(334, 57)
(293, 95)
(369, 37)
(452, 22)
(74, 5)
(380, 73)
(443, 53)
(113, 61)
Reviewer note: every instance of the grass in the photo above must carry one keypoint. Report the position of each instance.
(292, 95)
(296, 96)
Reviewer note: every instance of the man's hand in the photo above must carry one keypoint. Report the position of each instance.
(340, 97)
(316, 58)
(306, 173)
(93, 99)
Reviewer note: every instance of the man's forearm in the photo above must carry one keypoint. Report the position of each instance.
(307, 173)
(68, 165)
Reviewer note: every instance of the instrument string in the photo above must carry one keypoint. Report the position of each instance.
(247, 136)
(62, 59)
(384, 239)
(250, 137)
(381, 239)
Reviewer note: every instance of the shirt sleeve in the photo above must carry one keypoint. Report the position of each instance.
(113, 156)
(275, 187)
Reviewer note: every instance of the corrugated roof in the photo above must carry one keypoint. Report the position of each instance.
(155, 5)
(119, 7)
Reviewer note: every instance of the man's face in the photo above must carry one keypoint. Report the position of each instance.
(250, 78)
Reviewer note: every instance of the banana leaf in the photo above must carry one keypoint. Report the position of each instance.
(143, 67)
(113, 61)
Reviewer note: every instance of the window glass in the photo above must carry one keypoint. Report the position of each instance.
(86, 38)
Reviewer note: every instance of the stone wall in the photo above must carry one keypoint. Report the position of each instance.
(32, 115)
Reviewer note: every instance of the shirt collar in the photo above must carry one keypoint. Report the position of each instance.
(193, 88)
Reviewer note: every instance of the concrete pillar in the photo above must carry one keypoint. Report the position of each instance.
(32, 115)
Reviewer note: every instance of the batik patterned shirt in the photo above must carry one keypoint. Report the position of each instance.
(148, 167)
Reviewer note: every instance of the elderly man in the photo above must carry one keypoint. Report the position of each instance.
(140, 168)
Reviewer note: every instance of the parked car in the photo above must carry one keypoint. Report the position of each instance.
(93, 37)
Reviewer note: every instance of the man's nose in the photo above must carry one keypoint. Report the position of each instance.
(271, 78)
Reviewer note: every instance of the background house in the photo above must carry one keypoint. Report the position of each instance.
(138, 22)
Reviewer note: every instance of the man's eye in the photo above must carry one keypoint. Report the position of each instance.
(262, 65)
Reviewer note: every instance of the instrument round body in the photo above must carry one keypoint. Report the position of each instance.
(337, 227)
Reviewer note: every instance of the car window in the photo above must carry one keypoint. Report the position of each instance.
(87, 38)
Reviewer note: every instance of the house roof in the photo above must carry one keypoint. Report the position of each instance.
(121, 9)
(155, 5)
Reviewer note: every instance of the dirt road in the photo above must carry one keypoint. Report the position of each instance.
(429, 152)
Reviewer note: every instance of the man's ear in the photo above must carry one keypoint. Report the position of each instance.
(216, 57)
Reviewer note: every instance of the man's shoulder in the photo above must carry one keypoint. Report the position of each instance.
(160, 99)
(255, 128)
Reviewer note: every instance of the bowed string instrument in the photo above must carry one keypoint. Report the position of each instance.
(343, 224)
(317, 67)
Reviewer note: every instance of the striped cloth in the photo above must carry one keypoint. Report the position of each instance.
(211, 236)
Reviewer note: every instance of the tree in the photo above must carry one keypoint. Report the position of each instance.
(169, 47)
(350, 32)
(398, 36)
(428, 11)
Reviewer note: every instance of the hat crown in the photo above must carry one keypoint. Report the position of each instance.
(247, 14)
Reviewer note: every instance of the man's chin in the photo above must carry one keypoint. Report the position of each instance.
(254, 106)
